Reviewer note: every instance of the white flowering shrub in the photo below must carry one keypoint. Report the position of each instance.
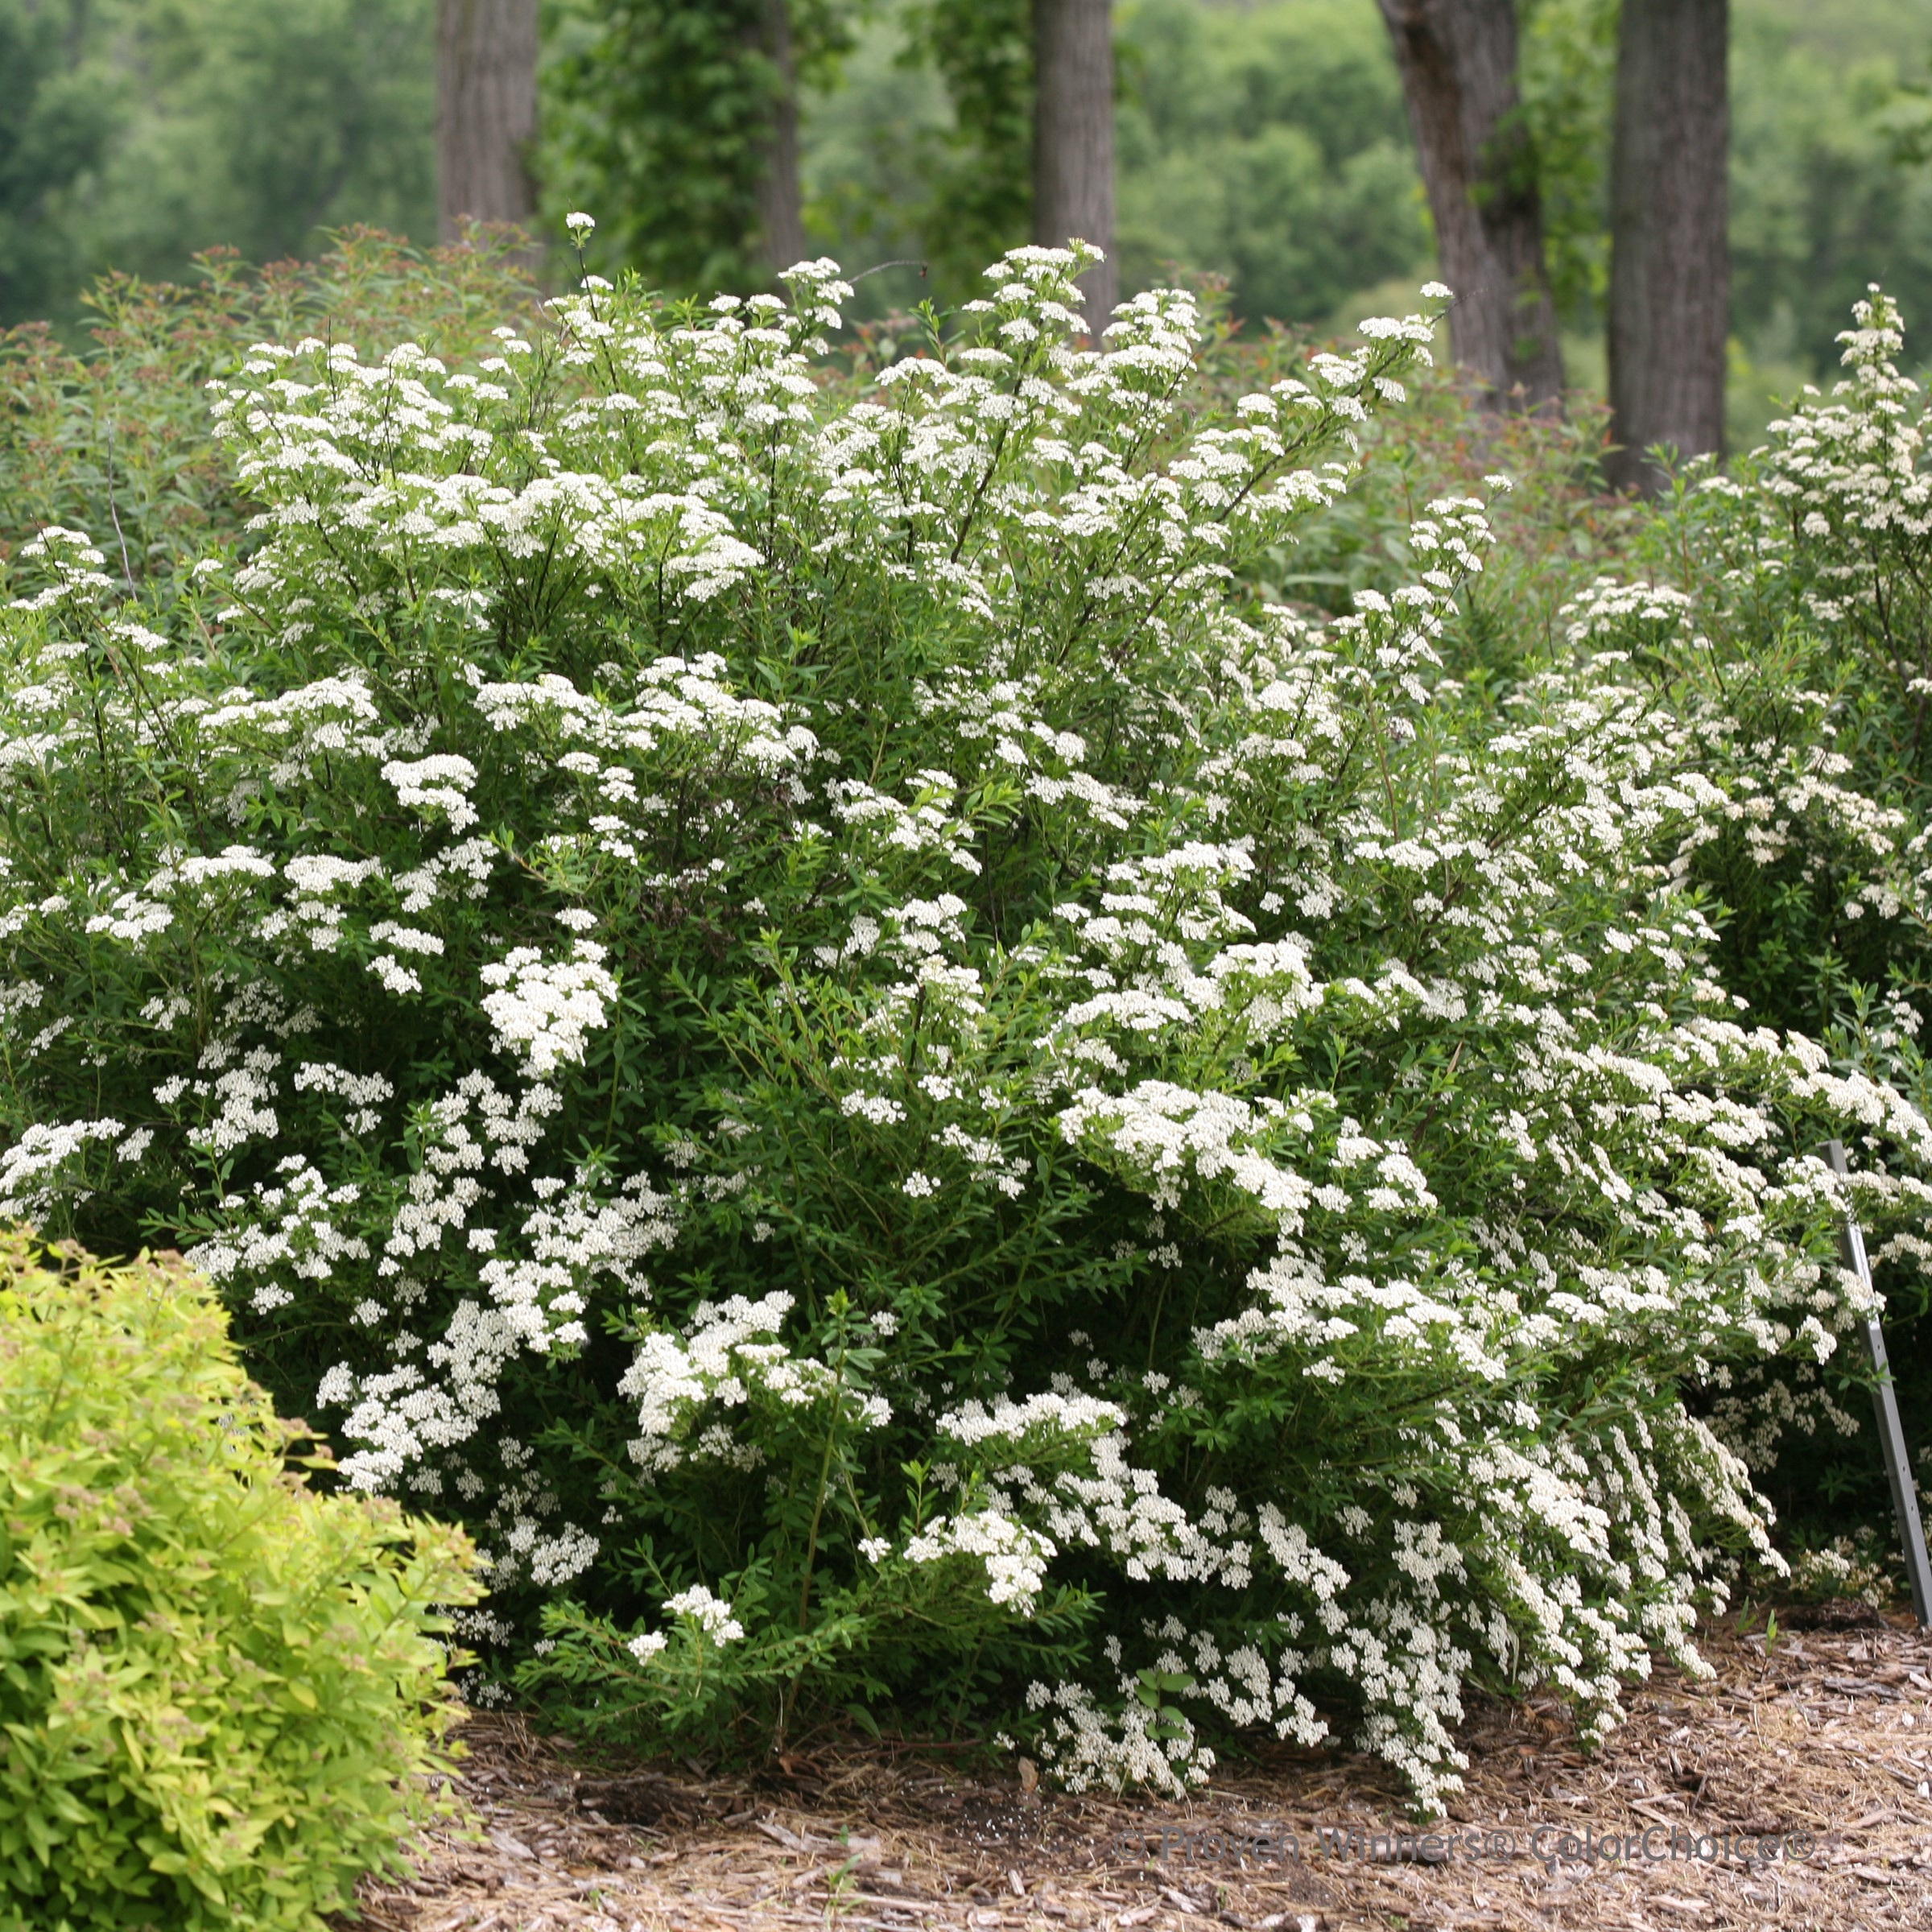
(797, 1003)
(1782, 615)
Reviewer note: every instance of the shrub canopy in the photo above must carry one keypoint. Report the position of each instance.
(219, 1691)
(1779, 613)
(801, 1004)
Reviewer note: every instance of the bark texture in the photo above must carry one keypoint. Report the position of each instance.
(486, 111)
(1458, 63)
(1669, 256)
(780, 205)
(1073, 139)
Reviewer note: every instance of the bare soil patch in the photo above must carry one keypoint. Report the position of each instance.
(1824, 1744)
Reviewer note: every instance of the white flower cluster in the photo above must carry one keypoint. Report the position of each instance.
(730, 1357)
(547, 1009)
(712, 1615)
(1014, 1558)
(1088, 1747)
(439, 784)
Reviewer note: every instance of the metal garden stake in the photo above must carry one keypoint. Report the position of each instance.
(1891, 1434)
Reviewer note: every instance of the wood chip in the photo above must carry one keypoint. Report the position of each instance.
(888, 1840)
(1886, 1817)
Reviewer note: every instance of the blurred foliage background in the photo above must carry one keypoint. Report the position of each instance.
(1262, 141)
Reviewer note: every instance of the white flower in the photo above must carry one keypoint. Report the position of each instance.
(711, 1614)
(548, 1008)
(1014, 1557)
(439, 784)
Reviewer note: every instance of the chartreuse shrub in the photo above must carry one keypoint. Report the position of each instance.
(219, 1693)
(802, 1003)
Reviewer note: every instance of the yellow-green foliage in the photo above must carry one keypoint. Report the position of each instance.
(219, 1693)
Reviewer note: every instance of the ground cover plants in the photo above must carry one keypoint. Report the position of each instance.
(220, 1689)
(800, 1002)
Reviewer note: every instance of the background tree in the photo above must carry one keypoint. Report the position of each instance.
(1073, 138)
(781, 215)
(486, 111)
(676, 123)
(973, 167)
(1824, 198)
(1565, 66)
(1029, 150)
(1669, 258)
(219, 123)
(54, 121)
(1268, 144)
(1457, 63)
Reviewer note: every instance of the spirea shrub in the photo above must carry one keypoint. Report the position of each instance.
(1781, 612)
(801, 1005)
(220, 1694)
(109, 433)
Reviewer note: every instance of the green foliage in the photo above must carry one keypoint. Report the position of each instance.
(659, 112)
(1820, 205)
(54, 123)
(240, 126)
(114, 437)
(1268, 144)
(1555, 529)
(220, 1697)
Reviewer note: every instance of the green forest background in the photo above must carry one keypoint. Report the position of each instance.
(1265, 142)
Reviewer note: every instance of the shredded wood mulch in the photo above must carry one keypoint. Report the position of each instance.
(1824, 1745)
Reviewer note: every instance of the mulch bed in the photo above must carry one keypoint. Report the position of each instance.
(1826, 1743)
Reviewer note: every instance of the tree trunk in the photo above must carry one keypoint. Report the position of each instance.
(486, 111)
(781, 217)
(1669, 254)
(1458, 63)
(1073, 139)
